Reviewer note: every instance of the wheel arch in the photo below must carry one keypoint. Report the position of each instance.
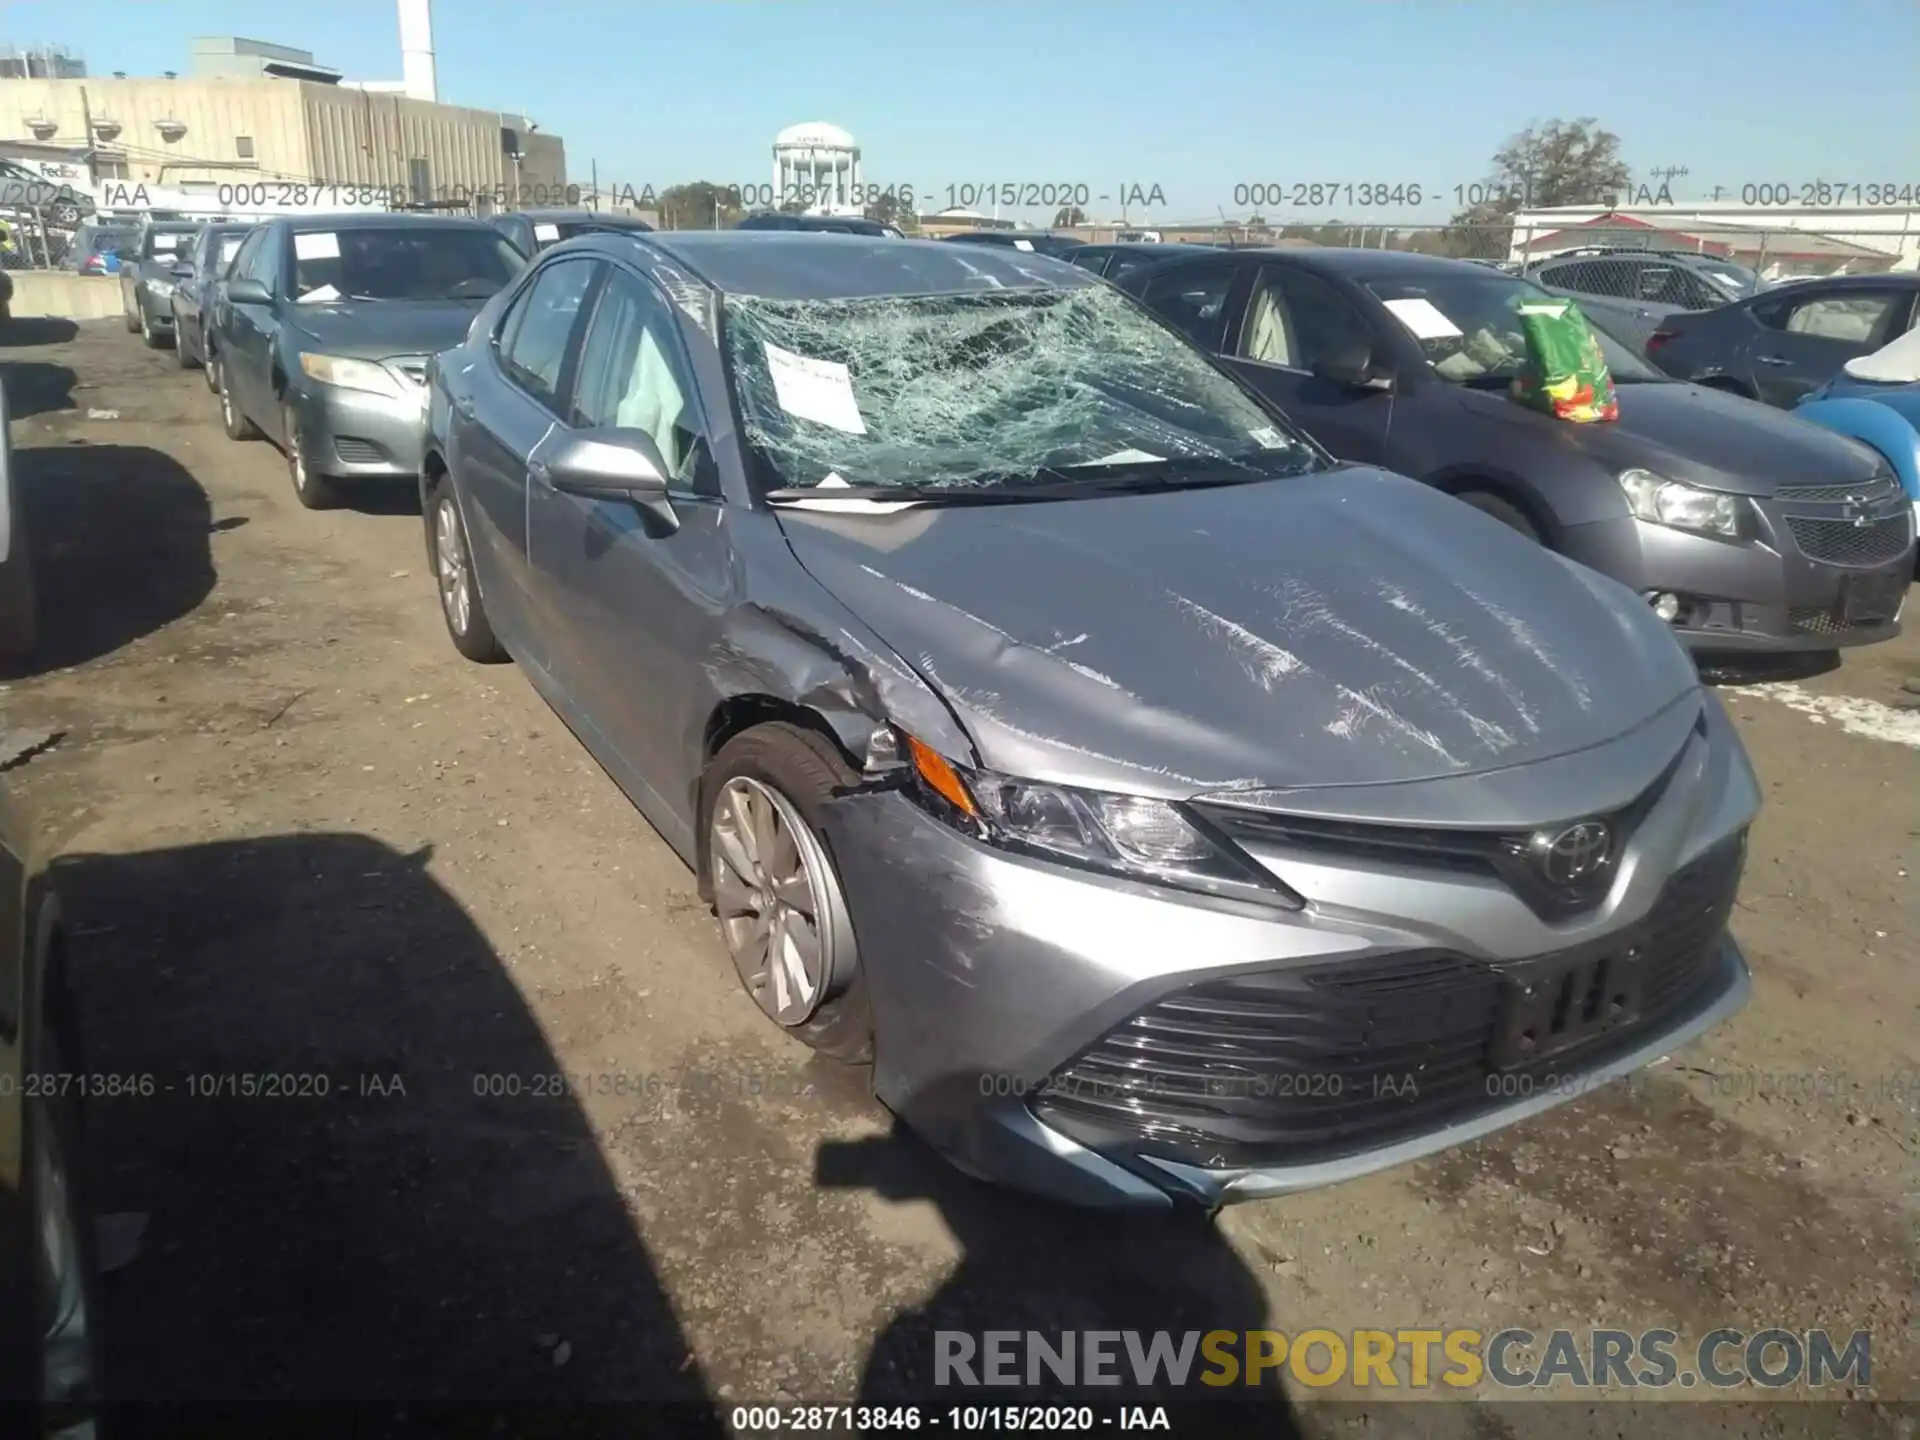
(1504, 487)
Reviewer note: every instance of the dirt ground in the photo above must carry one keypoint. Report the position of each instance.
(303, 838)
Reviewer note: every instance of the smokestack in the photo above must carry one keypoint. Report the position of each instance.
(416, 49)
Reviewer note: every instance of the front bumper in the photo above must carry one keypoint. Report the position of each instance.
(1765, 595)
(1026, 1015)
(357, 435)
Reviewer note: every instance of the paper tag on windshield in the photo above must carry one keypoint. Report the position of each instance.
(230, 248)
(1268, 438)
(1023, 245)
(167, 242)
(546, 232)
(1424, 319)
(1125, 457)
(816, 390)
(323, 246)
(325, 295)
(832, 480)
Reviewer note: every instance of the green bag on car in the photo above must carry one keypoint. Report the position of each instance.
(1565, 373)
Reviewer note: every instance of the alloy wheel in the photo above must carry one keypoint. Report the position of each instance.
(450, 561)
(768, 870)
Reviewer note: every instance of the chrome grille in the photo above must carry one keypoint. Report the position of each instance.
(1878, 488)
(1844, 542)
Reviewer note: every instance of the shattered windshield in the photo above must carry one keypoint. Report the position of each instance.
(987, 390)
(1468, 326)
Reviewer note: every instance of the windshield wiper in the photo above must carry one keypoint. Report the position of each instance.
(1053, 483)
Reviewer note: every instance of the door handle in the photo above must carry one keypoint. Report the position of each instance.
(1774, 360)
(464, 408)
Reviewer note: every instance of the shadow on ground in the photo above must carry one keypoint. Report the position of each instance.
(37, 330)
(119, 540)
(35, 387)
(339, 1206)
(1032, 1266)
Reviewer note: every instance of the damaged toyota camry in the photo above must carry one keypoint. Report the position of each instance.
(1170, 813)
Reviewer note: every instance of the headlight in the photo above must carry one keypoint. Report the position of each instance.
(1660, 501)
(1128, 835)
(350, 374)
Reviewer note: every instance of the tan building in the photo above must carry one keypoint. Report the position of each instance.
(272, 114)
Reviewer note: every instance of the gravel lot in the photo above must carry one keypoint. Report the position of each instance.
(305, 839)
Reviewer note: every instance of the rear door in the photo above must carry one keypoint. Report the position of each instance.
(516, 397)
(1809, 332)
(249, 334)
(1198, 299)
(1294, 320)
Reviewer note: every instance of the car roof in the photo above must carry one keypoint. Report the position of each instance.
(1904, 280)
(1355, 264)
(808, 265)
(622, 221)
(378, 220)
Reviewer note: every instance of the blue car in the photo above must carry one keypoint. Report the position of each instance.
(1876, 400)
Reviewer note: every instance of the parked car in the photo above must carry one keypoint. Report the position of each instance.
(1116, 260)
(96, 249)
(6, 297)
(532, 231)
(19, 598)
(1716, 511)
(50, 1373)
(1037, 240)
(322, 331)
(1876, 400)
(1633, 291)
(818, 224)
(1786, 341)
(147, 277)
(203, 266)
(1159, 802)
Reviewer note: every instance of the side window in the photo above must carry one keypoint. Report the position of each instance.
(1124, 265)
(1599, 277)
(533, 345)
(1298, 320)
(1854, 316)
(633, 375)
(1194, 301)
(1089, 260)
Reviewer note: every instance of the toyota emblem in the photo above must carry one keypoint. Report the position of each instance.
(1576, 854)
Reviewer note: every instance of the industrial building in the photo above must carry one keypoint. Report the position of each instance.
(247, 111)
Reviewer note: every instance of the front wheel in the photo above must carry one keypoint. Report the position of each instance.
(233, 419)
(776, 891)
(182, 357)
(1505, 511)
(316, 492)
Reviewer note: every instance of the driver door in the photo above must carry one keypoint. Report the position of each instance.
(1293, 321)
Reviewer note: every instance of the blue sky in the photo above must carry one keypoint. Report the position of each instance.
(1197, 97)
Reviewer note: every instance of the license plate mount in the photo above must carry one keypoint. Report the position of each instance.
(1555, 1010)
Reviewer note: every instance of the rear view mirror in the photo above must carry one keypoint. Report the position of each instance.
(248, 292)
(617, 463)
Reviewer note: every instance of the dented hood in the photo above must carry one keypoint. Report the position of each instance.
(1350, 627)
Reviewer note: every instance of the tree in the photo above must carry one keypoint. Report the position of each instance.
(697, 205)
(888, 209)
(1067, 216)
(1556, 162)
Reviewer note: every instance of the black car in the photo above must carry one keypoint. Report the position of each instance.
(200, 269)
(1784, 342)
(1116, 261)
(1042, 241)
(532, 231)
(50, 1382)
(147, 277)
(817, 224)
(1733, 522)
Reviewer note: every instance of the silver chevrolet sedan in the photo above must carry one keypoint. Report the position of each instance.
(1171, 813)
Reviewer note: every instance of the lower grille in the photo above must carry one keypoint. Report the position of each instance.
(1841, 542)
(1313, 1063)
(354, 451)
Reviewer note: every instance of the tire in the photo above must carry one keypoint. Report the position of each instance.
(798, 770)
(1505, 511)
(149, 337)
(452, 562)
(316, 492)
(206, 351)
(180, 356)
(232, 419)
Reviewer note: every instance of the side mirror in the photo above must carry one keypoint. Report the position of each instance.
(183, 272)
(618, 463)
(1352, 366)
(248, 292)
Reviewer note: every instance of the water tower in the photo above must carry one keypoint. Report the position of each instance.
(819, 163)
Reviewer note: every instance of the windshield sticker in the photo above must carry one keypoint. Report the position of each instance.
(546, 232)
(833, 480)
(1423, 318)
(1268, 438)
(1023, 245)
(322, 246)
(230, 247)
(326, 294)
(167, 242)
(816, 390)
(1126, 457)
